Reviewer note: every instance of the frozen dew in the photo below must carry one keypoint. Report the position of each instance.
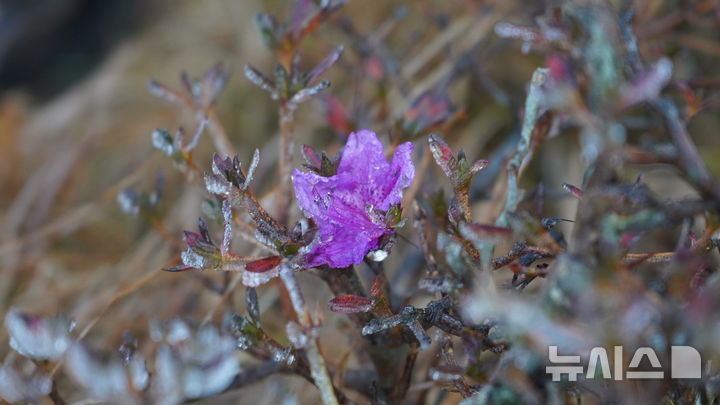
(177, 331)
(127, 199)
(377, 255)
(193, 363)
(215, 185)
(37, 337)
(284, 356)
(252, 279)
(162, 140)
(192, 259)
(296, 335)
(105, 379)
(435, 284)
(17, 386)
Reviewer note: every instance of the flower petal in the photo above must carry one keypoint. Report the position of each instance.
(362, 152)
(342, 245)
(399, 176)
(339, 204)
(307, 191)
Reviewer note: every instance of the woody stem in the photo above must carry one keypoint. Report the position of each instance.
(286, 145)
(317, 362)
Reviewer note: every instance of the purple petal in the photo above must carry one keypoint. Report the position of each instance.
(307, 191)
(341, 246)
(399, 176)
(338, 204)
(362, 152)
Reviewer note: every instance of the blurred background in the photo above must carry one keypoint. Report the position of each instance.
(76, 119)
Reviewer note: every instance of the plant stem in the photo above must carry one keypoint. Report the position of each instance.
(463, 202)
(219, 136)
(317, 362)
(286, 145)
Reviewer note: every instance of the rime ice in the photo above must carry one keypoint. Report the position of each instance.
(340, 204)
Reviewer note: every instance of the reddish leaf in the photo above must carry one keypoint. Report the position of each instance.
(576, 192)
(336, 115)
(350, 304)
(193, 239)
(479, 165)
(691, 99)
(627, 239)
(557, 66)
(374, 68)
(311, 156)
(264, 264)
(443, 155)
(429, 109)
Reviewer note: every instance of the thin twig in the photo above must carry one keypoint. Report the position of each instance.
(285, 158)
(317, 362)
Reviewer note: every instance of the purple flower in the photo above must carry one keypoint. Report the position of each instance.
(340, 204)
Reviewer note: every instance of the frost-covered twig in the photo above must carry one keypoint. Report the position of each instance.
(317, 362)
(286, 147)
